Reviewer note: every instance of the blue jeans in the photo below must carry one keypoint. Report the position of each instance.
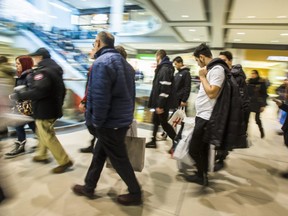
(20, 131)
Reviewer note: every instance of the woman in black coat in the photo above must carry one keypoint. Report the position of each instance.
(257, 92)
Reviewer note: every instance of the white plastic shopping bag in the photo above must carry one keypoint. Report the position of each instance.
(181, 153)
(177, 117)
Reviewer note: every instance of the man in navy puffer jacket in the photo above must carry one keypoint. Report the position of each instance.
(109, 109)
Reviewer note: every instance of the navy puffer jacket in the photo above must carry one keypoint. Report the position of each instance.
(111, 91)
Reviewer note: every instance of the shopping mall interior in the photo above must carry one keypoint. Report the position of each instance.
(255, 32)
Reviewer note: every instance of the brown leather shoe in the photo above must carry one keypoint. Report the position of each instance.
(81, 191)
(38, 159)
(130, 199)
(62, 168)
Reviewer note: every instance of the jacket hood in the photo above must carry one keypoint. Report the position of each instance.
(238, 71)
(217, 61)
(166, 60)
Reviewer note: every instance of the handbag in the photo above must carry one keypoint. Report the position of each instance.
(135, 147)
(136, 152)
(177, 117)
(24, 107)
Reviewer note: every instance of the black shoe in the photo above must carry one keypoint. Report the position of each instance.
(219, 165)
(130, 199)
(284, 175)
(81, 191)
(87, 150)
(151, 144)
(197, 179)
(18, 150)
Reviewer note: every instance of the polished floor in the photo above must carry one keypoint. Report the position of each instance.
(249, 185)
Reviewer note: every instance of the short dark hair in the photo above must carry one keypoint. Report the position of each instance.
(161, 53)
(228, 55)
(256, 72)
(106, 38)
(3, 59)
(202, 49)
(122, 51)
(178, 59)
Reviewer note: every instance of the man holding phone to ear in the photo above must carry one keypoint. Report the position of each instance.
(283, 107)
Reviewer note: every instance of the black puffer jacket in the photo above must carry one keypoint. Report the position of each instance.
(226, 124)
(182, 85)
(46, 89)
(162, 86)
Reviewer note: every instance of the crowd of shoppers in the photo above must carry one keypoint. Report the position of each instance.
(109, 107)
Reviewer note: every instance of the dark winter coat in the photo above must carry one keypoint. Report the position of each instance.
(46, 89)
(162, 86)
(111, 91)
(182, 85)
(226, 124)
(257, 91)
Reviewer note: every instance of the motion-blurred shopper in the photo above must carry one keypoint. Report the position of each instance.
(257, 91)
(24, 66)
(110, 107)
(7, 73)
(160, 98)
(212, 79)
(47, 92)
(240, 77)
(82, 108)
(284, 128)
(181, 89)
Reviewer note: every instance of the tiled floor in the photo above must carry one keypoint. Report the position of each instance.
(249, 185)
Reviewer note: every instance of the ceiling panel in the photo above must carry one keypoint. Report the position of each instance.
(259, 11)
(194, 34)
(257, 36)
(182, 10)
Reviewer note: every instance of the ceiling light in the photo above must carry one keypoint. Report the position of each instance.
(241, 33)
(251, 17)
(59, 6)
(237, 40)
(281, 17)
(284, 34)
(184, 16)
(196, 39)
(274, 41)
(192, 30)
(277, 58)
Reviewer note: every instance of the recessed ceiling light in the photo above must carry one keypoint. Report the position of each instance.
(184, 16)
(192, 30)
(274, 41)
(196, 39)
(237, 40)
(241, 33)
(251, 17)
(284, 34)
(281, 17)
